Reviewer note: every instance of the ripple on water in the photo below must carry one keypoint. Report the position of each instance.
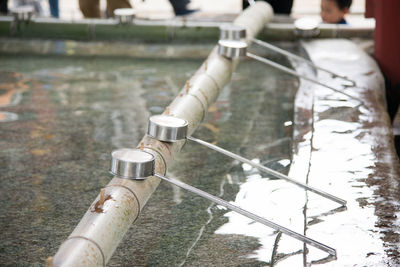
(8, 116)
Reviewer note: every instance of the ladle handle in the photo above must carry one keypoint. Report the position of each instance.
(268, 170)
(250, 215)
(296, 57)
(292, 72)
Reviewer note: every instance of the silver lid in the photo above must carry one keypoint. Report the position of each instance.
(232, 48)
(133, 164)
(23, 13)
(124, 15)
(23, 9)
(306, 27)
(232, 32)
(167, 128)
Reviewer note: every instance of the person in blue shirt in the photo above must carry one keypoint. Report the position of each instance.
(333, 11)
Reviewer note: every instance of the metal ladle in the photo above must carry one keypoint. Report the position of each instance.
(307, 28)
(137, 164)
(125, 15)
(172, 129)
(22, 16)
(23, 13)
(304, 27)
(232, 45)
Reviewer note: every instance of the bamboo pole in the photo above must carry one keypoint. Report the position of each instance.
(97, 235)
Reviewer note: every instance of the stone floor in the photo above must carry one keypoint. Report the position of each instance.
(155, 9)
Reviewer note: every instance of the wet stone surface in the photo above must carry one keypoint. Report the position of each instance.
(352, 154)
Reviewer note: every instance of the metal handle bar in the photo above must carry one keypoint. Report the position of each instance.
(292, 72)
(291, 55)
(268, 170)
(250, 215)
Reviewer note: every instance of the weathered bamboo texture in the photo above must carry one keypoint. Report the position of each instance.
(96, 237)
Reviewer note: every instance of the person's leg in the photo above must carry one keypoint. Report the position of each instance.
(20, 3)
(245, 4)
(279, 6)
(179, 4)
(38, 7)
(3, 6)
(90, 8)
(54, 8)
(180, 7)
(114, 4)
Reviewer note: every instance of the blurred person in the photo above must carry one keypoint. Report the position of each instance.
(3, 7)
(54, 12)
(279, 6)
(91, 8)
(180, 7)
(334, 11)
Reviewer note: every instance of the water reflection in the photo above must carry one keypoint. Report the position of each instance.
(12, 85)
(343, 160)
(276, 206)
(71, 113)
(8, 116)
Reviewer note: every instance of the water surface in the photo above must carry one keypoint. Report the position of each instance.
(60, 117)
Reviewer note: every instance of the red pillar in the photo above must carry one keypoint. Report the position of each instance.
(386, 36)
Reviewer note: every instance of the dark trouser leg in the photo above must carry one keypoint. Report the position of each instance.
(279, 6)
(3, 6)
(114, 4)
(54, 8)
(90, 8)
(179, 5)
(245, 4)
